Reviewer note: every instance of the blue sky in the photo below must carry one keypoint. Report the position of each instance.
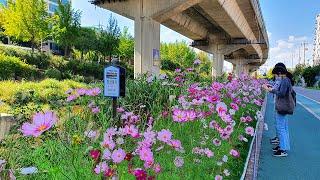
(289, 23)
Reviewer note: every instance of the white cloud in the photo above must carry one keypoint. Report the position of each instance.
(287, 51)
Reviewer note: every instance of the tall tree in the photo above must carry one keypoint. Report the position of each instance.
(86, 40)
(126, 46)
(178, 52)
(108, 38)
(65, 26)
(26, 20)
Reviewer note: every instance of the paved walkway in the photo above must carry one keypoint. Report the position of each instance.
(303, 162)
(310, 93)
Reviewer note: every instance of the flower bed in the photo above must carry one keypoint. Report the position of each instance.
(166, 128)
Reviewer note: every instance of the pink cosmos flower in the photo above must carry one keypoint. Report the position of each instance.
(93, 92)
(95, 154)
(118, 155)
(81, 91)
(140, 174)
(221, 108)
(150, 135)
(234, 106)
(217, 86)
(197, 62)
(218, 177)
(176, 144)
(91, 134)
(106, 154)
(179, 115)
(178, 70)
(248, 119)
(131, 130)
(101, 167)
(178, 161)
(148, 164)
(95, 110)
(216, 142)
(71, 98)
(250, 131)
(110, 132)
(191, 115)
(146, 155)
(243, 119)
(213, 99)
(157, 168)
(234, 153)
(120, 110)
(208, 152)
(164, 135)
(108, 143)
(41, 122)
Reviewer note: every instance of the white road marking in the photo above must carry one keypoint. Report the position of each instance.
(308, 98)
(309, 110)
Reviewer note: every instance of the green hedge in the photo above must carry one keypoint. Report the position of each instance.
(309, 74)
(15, 68)
(40, 60)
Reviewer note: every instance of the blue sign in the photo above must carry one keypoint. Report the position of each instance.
(112, 81)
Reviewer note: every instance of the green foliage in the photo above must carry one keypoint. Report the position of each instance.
(86, 41)
(309, 75)
(65, 26)
(40, 60)
(126, 47)
(178, 52)
(26, 20)
(13, 67)
(169, 65)
(53, 73)
(205, 66)
(297, 72)
(108, 38)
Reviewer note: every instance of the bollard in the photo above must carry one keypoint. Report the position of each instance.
(6, 122)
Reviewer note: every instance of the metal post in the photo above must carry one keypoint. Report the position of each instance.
(114, 108)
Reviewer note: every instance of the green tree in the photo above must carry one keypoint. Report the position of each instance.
(269, 73)
(126, 46)
(65, 26)
(26, 20)
(178, 52)
(86, 40)
(205, 66)
(108, 39)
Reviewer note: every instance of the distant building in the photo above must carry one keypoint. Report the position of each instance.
(316, 50)
(53, 5)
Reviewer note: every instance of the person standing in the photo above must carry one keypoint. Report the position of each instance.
(284, 106)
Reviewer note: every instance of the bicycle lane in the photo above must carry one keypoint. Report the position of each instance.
(303, 161)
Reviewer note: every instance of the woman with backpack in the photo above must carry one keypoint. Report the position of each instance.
(284, 106)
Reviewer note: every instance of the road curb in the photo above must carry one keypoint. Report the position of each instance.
(250, 169)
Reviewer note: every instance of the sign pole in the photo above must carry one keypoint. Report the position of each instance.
(114, 107)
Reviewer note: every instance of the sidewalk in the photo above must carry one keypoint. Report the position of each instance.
(303, 161)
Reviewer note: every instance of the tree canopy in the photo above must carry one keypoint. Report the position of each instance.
(26, 20)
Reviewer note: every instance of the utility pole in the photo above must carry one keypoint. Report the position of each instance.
(304, 52)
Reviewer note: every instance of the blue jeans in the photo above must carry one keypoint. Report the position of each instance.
(283, 131)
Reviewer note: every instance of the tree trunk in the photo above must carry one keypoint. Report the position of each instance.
(81, 55)
(66, 51)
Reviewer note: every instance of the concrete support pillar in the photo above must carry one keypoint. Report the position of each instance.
(217, 63)
(147, 46)
(240, 66)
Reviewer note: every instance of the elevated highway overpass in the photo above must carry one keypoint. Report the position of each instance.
(231, 30)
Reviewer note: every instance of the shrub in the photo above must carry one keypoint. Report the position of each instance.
(15, 68)
(309, 75)
(169, 65)
(53, 73)
(40, 60)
